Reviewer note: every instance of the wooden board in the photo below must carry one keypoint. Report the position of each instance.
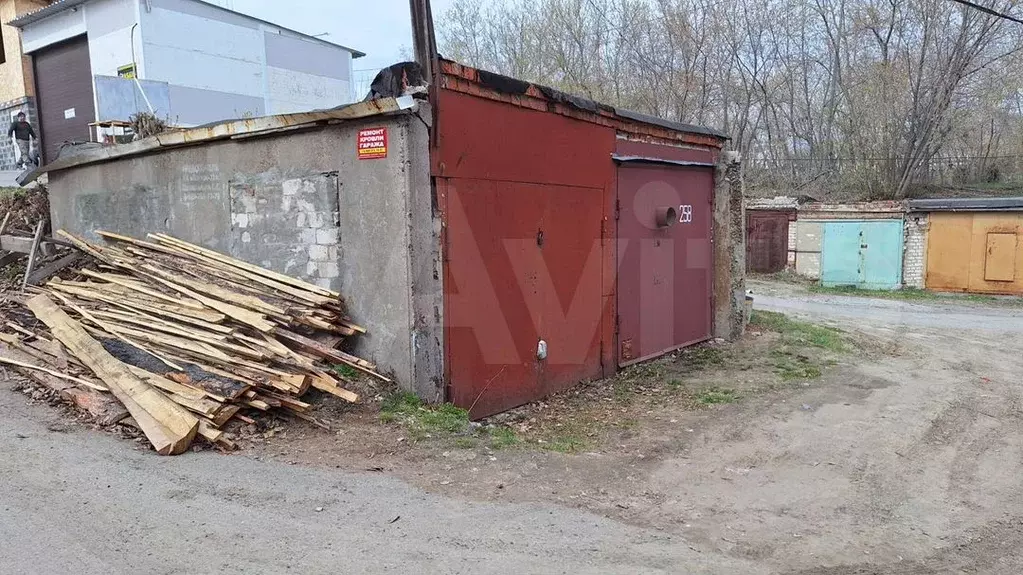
(249, 267)
(169, 427)
(103, 407)
(45, 271)
(16, 244)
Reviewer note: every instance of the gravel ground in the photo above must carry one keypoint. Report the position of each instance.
(904, 463)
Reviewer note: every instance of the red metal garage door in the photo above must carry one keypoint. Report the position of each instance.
(767, 241)
(523, 264)
(664, 271)
(64, 94)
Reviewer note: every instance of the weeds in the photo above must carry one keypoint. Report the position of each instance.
(906, 294)
(702, 357)
(564, 444)
(800, 353)
(717, 396)
(346, 371)
(790, 365)
(799, 333)
(422, 420)
(10, 192)
(503, 438)
(442, 421)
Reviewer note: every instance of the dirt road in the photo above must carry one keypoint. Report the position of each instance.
(907, 463)
(84, 502)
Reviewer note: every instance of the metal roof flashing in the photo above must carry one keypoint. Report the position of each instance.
(515, 87)
(967, 205)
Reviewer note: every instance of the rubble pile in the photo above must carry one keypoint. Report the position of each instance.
(178, 340)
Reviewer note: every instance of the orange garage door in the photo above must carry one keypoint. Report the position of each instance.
(975, 252)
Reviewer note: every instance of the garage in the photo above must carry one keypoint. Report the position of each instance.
(767, 240)
(64, 94)
(577, 239)
(863, 254)
(973, 245)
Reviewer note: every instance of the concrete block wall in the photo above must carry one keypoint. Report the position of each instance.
(290, 225)
(8, 151)
(729, 314)
(300, 203)
(914, 263)
(809, 235)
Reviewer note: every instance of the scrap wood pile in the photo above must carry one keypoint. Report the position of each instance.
(184, 338)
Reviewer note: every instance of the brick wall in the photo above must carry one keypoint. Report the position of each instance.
(914, 263)
(791, 263)
(291, 225)
(8, 151)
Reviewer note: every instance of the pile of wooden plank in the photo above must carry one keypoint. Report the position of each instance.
(185, 339)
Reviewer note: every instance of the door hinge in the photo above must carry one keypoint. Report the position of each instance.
(618, 209)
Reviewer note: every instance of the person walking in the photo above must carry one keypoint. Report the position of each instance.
(22, 132)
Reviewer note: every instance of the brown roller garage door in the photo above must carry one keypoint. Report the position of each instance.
(64, 94)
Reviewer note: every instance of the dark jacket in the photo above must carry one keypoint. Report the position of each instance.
(21, 130)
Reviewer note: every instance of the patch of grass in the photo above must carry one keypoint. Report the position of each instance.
(6, 192)
(702, 357)
(905, 294)
(503, 437)
(717, 396)
(622, 389)
(791, 365)
(799, 333)
(564, 444)
(674, 384)
(466, 442)
(346, 371)
(784, 276)
(420, 419)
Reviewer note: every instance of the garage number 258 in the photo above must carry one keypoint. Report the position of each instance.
(685, 214)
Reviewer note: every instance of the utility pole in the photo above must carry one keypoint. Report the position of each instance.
(423, 38)
(425, 42)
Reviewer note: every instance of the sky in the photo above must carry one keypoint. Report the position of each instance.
(380, 28)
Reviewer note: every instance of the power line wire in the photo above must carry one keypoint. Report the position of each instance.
(987, 10)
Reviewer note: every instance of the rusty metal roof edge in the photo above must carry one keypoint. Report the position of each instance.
(515, 86)
(671, 125)
(966, 205)
(230, 129)
(650, 160)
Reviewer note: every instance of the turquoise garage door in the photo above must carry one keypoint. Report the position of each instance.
(865, 254)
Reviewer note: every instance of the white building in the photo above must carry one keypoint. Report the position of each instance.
(195, 62)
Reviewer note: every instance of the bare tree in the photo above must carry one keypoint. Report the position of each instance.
(867, 97)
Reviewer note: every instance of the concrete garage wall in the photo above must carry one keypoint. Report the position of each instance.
(809, 232)
(808, 248)
(300, 203)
